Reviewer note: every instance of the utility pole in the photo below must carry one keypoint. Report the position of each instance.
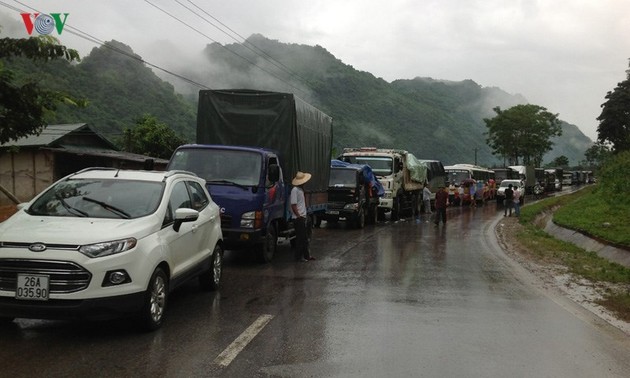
(476, 155)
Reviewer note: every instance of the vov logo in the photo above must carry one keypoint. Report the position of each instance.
(44, 23)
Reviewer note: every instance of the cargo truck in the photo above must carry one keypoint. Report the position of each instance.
(353, 194)
(400, 173)
(250, 144)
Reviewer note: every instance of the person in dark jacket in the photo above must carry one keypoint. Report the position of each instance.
(441, 199)
(509, 201)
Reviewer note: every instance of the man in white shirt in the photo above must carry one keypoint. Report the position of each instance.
(298, 214)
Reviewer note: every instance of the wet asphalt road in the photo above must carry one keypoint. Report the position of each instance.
(392, 300)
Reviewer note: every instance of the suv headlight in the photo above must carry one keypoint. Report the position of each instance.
(108, 248)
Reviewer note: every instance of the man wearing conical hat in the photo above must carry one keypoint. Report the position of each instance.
(298, 214)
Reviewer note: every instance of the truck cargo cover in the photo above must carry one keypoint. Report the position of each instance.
(417, 169)
(300, 133)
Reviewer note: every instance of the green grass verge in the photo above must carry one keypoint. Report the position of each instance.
(582, 210)
(590, 213)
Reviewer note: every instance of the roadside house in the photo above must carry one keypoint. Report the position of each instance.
(31, 164)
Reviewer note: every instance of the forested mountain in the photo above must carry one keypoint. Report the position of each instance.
(119, 90)
(434, 119)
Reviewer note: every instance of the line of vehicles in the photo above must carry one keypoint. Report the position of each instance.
(251, 143)
(56, 260)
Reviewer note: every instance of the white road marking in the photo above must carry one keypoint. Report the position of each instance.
(230, 353)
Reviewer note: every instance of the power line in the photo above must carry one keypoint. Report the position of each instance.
(81, 34)
(222, 46)
(245, 43)
(86, 36)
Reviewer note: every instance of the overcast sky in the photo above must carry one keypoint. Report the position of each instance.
(564, 55)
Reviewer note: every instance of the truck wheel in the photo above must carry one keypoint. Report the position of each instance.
(360, 219)
(210, 280)
(372, 215)
(156, 297)
(380, 214)
(414, 206)
(267, 248)
(396, 209)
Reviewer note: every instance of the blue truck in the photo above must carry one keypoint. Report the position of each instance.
(250, 144)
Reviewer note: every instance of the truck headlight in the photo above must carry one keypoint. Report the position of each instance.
(351, 206)
(252, 219)
(108, 248)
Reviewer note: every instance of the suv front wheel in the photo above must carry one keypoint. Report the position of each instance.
(210, 280)
(152, 313)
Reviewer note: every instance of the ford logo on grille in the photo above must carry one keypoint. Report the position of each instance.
(37, 247)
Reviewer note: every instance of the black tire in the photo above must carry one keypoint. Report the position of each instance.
(380, 214)
(360, 219)
(396, 209)
(267, 249)
(414, 206)
(210, 280)
(155, 301)
(372, 215)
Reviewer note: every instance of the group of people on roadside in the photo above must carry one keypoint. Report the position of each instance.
(512, 201)
(452, 196)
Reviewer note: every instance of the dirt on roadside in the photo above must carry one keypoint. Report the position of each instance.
(555, 276)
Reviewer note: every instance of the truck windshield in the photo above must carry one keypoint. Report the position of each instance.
(342, 178)
(220, 166)
(381, 166)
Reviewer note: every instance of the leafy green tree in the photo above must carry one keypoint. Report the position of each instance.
(596, 154)
(614, 180)
(560, 161)
(614, 121)
(24, 107)
(152, 138)
(522, 131)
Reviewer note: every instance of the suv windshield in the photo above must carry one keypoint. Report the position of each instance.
(218, 166)
(96, 198)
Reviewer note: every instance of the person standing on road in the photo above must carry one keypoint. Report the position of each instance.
(451, 194)
(509, 200)
(517, 201)
(426, 199)
(441, 199)
(298, 214)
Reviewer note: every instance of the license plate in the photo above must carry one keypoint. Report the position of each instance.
(32, 287)
(332, 212)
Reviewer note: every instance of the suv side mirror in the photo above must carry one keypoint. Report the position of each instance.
(184, 215)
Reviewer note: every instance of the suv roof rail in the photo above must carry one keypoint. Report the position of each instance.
(179, 171)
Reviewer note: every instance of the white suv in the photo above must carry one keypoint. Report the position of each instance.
(105, 242)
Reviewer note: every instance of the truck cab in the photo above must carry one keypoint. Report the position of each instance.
(353, 194)
(397, 171)
(248, 185)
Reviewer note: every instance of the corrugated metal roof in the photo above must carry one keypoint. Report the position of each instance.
(49, 135)
(93, 151)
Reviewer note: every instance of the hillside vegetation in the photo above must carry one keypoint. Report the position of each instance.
(432, 118)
